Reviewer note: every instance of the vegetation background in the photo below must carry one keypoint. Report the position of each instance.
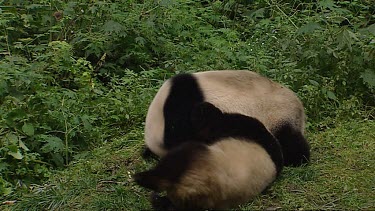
(76, 78)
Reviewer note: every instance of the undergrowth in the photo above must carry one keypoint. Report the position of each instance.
(76, 75)
(339, 177)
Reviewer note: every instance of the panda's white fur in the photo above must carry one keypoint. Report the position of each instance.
(231, 172)
(250, 94)
(215, 183)
(154, 127)
(237, 91)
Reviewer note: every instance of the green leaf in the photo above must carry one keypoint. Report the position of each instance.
(86, 123)
(314, 82)
(327, 4)
(6, 191)
(368, 31)
(23, 146)
(12, 138)
(371, 29)
(98, 91)
(54, 144)
(70, 94)
(12, 148)
(28, 129)
(3, 167)
(257, 13)
(16, 155)
(308, 28)
(331, 95)
(58, 159)
(112, 26)
(14, 115)
(332, 51)
(369, 78)
(140, 40)
(346, 38)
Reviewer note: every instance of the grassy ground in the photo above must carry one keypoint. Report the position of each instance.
(340, 177)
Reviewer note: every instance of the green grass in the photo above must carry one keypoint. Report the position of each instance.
(340, 177)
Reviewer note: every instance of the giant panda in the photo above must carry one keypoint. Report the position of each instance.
(232, 167)
(235, 91)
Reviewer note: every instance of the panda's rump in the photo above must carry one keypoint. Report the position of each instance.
(154, 125)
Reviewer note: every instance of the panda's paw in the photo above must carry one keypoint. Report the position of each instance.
(159, 202)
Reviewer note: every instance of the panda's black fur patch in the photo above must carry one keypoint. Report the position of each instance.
(147, 154)
(161, 203)
(184, 95)
(211, 125)
(295, 148)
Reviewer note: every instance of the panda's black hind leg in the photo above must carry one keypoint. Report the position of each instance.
(296, 150)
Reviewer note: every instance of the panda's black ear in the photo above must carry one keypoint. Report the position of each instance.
(204, 115)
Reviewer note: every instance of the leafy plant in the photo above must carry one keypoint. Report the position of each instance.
(75, 74)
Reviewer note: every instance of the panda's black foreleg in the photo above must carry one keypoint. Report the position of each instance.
(204, 114)
(204, 118)
(147, 154)
(296, 150)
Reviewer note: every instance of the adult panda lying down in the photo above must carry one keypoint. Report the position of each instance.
(235, 159)
(168, 122)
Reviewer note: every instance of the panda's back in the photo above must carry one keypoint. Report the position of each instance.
(251, 94)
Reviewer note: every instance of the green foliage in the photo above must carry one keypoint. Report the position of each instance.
(52, 105)
(75, 74)
(324, 50)
(49, 117)
(340, 177)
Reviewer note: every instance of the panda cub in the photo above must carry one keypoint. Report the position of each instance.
(232, 159)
